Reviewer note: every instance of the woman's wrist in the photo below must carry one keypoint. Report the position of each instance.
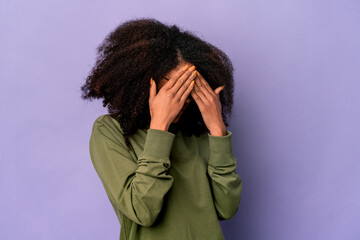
(160, 125)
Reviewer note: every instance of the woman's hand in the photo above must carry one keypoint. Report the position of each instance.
(209, 105)
(167, 103)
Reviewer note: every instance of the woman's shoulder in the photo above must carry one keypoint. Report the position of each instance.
(109, 122)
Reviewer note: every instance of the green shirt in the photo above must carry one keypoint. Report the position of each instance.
(169, 186)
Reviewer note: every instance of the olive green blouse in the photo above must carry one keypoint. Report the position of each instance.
(168, 186)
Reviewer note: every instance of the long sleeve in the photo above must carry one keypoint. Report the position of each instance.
(136, 187)
(226, 184)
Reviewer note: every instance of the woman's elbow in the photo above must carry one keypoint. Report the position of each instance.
(227, 215)
(147, 221)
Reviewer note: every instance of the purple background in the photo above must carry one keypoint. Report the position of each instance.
(295, 125)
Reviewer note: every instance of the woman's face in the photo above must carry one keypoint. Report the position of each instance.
(168, 76)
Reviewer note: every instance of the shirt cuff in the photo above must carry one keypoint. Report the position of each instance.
(158, 143)
(220, 148)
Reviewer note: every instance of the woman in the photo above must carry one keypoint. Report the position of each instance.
(163, 153)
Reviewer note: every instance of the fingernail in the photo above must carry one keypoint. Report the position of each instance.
(193, 75)
(186, 67)
(191, 68)
(151, 81)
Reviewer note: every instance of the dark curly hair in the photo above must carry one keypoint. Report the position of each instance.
(142, 48)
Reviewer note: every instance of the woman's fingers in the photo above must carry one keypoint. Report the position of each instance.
(205, 87)
(183, 89)
(188, 91)
(200, 92)
(152, 90)
(173, 80)
(205, 84)
(197, 99)
(181, 81)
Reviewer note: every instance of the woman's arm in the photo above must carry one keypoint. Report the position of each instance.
(225, 182)
(137, 189)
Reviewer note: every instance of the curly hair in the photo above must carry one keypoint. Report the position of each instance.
(142, 48)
